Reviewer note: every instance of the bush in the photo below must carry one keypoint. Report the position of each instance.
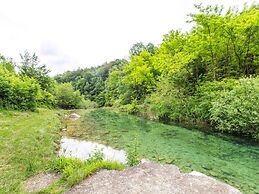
(168, 102)
(238, 110)
(46, 99)
(88, 104)
(67, 98)
(17, 93)
(207, 93)
(131, 108)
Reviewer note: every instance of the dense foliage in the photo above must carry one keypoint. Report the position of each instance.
(32, 87)
(91, 82)
(206, 77)
(67, 98)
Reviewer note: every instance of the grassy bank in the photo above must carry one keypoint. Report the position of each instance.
(231, 161)
(28, 144)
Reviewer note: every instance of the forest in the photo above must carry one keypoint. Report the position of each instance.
(207, 77)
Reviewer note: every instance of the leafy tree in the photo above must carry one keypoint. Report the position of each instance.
(30, 67)
(7, 63)
(114, 87)
(139, 77)
(150, 48)
(139, 47)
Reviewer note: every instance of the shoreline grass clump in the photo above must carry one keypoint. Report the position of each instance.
(74, 171)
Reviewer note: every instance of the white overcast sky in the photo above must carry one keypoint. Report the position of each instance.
(67, 34)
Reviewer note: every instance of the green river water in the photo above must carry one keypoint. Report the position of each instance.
(225, 159)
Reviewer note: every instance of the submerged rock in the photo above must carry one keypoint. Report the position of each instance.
(74, 116)
(150, 177)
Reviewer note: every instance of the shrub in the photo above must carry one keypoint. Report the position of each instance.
(207, 93)
(88, 104)
(46, 99)
(67, 98)
(17, 93)
(168, 102)
(238, 110)
(131, 108)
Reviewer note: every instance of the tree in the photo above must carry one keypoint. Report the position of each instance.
(140, 76)
(30, 67)
(150, 48)
(7, 63)
(139, 47)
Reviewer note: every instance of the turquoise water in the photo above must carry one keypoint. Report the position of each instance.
(233, 162)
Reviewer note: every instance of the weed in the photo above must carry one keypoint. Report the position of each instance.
(133, 152)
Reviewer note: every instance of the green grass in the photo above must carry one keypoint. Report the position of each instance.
(74, 171)
(28, 145)
(222, 157)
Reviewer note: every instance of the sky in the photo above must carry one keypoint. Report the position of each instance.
(68, 34)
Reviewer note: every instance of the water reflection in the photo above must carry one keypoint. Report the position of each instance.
(83, 149)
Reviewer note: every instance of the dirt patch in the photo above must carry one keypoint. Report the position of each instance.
(150, 177)
(41, 181)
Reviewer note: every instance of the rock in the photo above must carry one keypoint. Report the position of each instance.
(149, 177)
(41, 181)
(74, 116)
(195, 173)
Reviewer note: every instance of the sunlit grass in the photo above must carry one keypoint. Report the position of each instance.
(28, 144)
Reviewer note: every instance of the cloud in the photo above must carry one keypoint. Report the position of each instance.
(68, 34)
(48, 49)
(51, 55)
